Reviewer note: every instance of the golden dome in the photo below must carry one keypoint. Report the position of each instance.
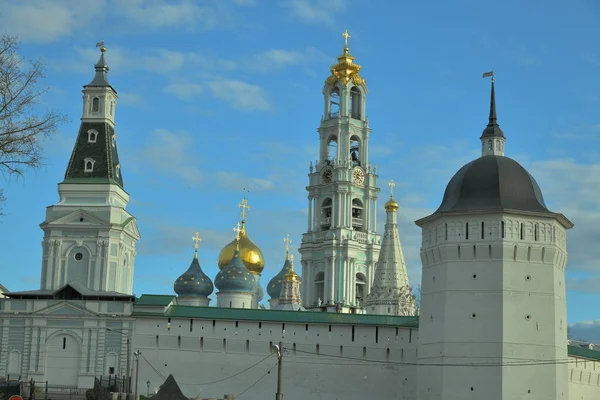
(345, 70)
(250, 254)
(391, 205)
(291, 274)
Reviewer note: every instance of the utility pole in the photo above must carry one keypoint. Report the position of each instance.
(278, 350)
(137, 373)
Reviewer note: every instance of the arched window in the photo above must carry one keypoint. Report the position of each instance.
(503, 229)
(355, 150)
(334, 103)
(332, 146)
(536, 232)
(357, 215)
(112, 107)
(95, 105)
(361, 282)
(326, 213)
(490, 145)
(118, 170)
(92, 136)
(88, 165)
(320, 286)
(355, 103)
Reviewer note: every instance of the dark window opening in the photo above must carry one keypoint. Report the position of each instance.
(467, 231)
(64, 343)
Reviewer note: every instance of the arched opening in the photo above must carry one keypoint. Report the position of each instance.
(332, 146)
(334, 103)
(355, 103)
(320, 286)
(326, 210)
(63, 359)
(355, 150)
(357, 215)
(361, 282)
(95, 105)
(77, 265)
(490, 145)
(88, 165)
(111, 363)
(14, 362)
(112, 107)
(92, 136)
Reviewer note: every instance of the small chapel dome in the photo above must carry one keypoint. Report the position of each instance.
(274, 286)
(193, 282)
(391, 205)
(235, 277)
(250, 253)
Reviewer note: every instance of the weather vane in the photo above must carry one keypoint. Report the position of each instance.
(244, 206)
(392, 185)
(287, 242)
(346, 35)
(101, 45)
(488, 74)
(197, 239)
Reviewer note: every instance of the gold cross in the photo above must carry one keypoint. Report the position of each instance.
(287, 242)
(392, 185)
(244, 206)
(237, 231)
(346, 36)
(292, 258)
(197, 239)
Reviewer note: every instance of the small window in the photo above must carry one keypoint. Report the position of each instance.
(112, 107)
(95, 105)
(88, 165)
(92, 136)
(118, 171)
(113, 140)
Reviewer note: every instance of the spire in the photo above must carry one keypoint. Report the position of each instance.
(492, 138)
(101, 77)
(289, 295)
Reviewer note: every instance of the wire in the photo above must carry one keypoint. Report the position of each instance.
(152, 366)
(229, 377)
(254, 384)
(488, 364)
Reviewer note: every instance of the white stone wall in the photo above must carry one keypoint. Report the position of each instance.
(584, 379)
(202, 351)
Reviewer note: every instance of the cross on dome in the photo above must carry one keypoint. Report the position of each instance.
(244, 206)
(197, 239)
(287, 242)
(346, 36)
(392, 185)
(237, 229)
(292, 258)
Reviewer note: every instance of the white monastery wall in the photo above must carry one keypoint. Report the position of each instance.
(584, 378)
(198, 351)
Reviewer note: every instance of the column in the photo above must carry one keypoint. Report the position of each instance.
(310, 211)
(316, 211)
(375, 216)
(308, 283)
(332, 262)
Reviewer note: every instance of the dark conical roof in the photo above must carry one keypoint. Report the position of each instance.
(169, 391)
(274, 286)
(194, 282)
(492, 129)
(101, 76)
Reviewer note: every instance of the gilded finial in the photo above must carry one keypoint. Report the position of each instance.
(392, 185)
(287, 242)
(346, 36)
(237, 231)
(197, 239)
(101, 45)
(244, 206)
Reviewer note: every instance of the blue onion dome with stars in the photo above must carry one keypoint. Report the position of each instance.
(274, 286)
(194, 282)
(235, 277)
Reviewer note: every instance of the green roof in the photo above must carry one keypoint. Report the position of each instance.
(154, 300)
(302, 317)
(577, 351)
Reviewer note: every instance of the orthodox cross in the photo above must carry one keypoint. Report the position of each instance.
(237, 231)
(392, 185)
(346, 36)
(292, 258)
(197, 239)
(287, 242)
(244, 206)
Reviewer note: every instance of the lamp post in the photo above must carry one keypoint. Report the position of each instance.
(128, 385)
(279, 352)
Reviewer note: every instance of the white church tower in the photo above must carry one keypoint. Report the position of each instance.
(341, 246)
(493, 285)
(89, 237)
(391, 293)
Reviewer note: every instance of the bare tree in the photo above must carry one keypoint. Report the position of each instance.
(23, 126)
(416, 292)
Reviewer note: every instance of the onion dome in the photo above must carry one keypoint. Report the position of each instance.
(235, 277)
(194, 282)
(391, 205)
(250, 253)
(274, 286)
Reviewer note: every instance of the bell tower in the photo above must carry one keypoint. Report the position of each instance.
(341, 246)
(89, 236)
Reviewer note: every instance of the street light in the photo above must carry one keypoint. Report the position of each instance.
(128, 354)
(279, 352)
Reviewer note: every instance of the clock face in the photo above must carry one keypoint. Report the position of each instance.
(358, 175)
(327, 175)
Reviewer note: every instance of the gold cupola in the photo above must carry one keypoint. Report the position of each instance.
(250, 253)
(391, 205)
(345, 70)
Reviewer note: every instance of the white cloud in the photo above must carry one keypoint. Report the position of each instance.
(131, 99)
(184, 91)
(237, 181)
(275, 59)
(168, 153)
(317, 11)
(588, 331)
(163, 14)
(241, 95)
(46, 21)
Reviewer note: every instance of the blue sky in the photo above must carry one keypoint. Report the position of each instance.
(218, 96)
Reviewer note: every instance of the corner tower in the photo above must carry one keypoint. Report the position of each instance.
(341, 246)
(89, 237)
(493, 310)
